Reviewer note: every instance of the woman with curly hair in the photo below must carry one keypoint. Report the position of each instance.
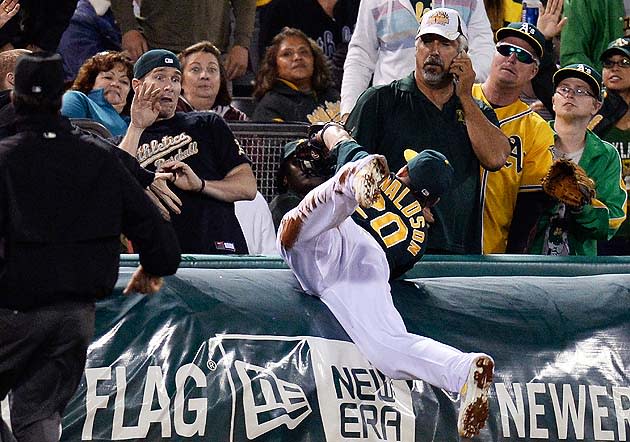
(204, 82)
(101, 91)
(293, 79)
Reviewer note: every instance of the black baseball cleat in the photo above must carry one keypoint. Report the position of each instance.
(474, 407)
(368, 179)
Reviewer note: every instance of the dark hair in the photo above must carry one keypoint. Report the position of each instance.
(282, 173)
(28, 105)
(224, 98)
(101, 62)
(268, 72)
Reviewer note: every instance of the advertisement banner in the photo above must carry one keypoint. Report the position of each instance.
(232, 355)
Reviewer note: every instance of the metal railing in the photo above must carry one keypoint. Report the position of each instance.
(263, 144)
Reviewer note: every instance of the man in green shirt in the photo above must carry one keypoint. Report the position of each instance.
(433, 108)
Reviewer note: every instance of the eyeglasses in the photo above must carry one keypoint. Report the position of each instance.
(522, 55)
(578, 92)
(624, 63)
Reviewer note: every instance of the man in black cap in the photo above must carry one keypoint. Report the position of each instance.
(212, 170)
(65, 199)
(356, 231)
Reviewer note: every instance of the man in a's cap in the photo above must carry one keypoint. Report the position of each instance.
(519, 49)
(434, 106)
(65, 199)
(211, 169)
(565, 230)
(356, 231)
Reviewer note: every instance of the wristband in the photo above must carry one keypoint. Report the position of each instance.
(203, 185)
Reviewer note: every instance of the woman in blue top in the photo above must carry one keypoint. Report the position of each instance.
(100, 91)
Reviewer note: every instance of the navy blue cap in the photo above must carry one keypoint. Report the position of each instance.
(155, 58)
(430, 172)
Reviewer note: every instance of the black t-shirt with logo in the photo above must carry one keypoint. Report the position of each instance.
(205, 142)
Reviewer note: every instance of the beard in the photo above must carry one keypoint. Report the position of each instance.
(435, 78)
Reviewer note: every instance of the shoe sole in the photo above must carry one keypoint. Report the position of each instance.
(368, 179)
(474, 409)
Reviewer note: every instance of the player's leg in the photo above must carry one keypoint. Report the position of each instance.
(51, 377)
(332, 202)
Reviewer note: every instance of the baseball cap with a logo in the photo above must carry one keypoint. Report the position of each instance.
(619, 46)
(524, 31)
(442, 21)
(583, 72)
(430, 172)
(39, 75)
(155, 58)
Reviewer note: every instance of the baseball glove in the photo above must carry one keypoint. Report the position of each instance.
(568, 183)
(313, 158)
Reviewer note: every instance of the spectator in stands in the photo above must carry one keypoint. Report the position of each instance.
(503, 12)
(175, 26)
(101, 91)
(37, 26)
(293, 79)
(563, 230)
(328, 22)
(592, 25)
(92, 29)
(212, 170)
(515, 63)
(293, 182)
(382, 45)
(256, 223)
(204, 83)
(64, 201)
(428, 109)
(612, 124)
(7, 77)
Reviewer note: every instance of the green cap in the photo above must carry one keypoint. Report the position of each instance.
(430, 172)
(619, 46)
(583, 72)
(524, 31)
(155, 58)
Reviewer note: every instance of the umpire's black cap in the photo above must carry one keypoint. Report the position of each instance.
(430, 172)
(39, 75)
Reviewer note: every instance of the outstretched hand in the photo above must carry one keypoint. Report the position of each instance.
(185, 177)
(8, 9)
(142, 282)
(163, 197)
(550, 21)
(145, 107)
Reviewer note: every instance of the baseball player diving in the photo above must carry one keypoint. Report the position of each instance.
(345, 240)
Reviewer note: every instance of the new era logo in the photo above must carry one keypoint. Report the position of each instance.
(168, 60)
(269, 402)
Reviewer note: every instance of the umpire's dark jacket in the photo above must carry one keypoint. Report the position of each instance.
(64, 200)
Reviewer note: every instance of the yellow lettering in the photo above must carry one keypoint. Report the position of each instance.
(361, 213)
(417, 223)
(413, 248)
(392, 189)
(411, 209)
(400, 197)
(385, 183)
(399, 235)
(379, 204)
(418, 235)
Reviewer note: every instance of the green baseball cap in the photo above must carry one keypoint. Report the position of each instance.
(583, 72)
(619, 46)
(155, 58)
(430, 172)
(524, 31)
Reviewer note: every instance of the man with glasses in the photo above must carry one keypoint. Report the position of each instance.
(612, 124)
(432, 108)
(567, 231)
(518, 52)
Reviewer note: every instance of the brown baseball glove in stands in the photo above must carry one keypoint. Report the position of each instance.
(568, 183)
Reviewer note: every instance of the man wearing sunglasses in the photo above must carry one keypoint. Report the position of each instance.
(612, 124)
(563, 230)
(515, 63)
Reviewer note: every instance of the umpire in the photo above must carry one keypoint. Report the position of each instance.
(64, 201)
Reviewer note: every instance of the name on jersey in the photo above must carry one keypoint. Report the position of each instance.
(398, 230)
(156, 151)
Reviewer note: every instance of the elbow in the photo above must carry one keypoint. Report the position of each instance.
(497, 161)
(249, 193)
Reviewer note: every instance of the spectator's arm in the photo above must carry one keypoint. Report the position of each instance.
(481, 44)
(74, 105)
(123, 13)
(360, 60)
(244, 16)
(577, 35)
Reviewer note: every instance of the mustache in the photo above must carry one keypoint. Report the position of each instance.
(433, 60)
